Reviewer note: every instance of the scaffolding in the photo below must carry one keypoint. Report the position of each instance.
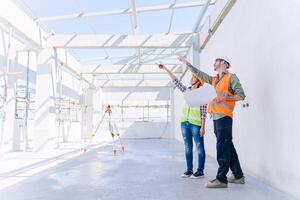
(67, 112)
(24, 109)
(144, 115)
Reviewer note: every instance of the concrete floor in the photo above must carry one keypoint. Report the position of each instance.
(149, 169)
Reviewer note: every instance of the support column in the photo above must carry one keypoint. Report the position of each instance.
(87, 114)
(11, 124)
(45, 117)
(11, 134)
(172, 119)
(195, 50)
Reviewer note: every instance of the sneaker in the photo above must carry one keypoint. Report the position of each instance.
(232, 179)
(197, 175)
(187, 174)
(216, 184)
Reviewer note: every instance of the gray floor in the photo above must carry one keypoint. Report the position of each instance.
(149, 169)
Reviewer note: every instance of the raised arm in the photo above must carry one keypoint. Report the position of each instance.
(171, 74)
(175, 80)
(200, 74)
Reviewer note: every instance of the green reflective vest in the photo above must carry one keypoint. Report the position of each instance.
(191, 115)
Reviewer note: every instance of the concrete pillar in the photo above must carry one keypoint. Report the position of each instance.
(87, 114)
(11, 128)
(172, 119)
(10, 140)
(195, 51)
(45, 117)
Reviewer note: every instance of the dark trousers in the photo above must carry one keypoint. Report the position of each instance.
(226, 153)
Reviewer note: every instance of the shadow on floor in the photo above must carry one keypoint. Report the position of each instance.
(148, 169)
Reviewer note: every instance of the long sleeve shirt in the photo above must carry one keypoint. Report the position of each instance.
(235, 85)
(183, 88)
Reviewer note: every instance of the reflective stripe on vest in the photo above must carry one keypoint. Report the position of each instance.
(222, 105)
(222, 89)
(192, 115)
(221, 94)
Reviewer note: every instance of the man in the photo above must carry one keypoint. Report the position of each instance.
(229, 90)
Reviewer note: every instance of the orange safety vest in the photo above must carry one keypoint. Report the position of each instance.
(222, 89)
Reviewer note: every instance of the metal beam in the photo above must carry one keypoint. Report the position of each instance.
(135, 89)
(170, 56)
(134, 17)
(103, 58)
(120, 41)
(30, 32)
(123, 11)
(131, 76)
(172, 16)
(134, 24)
(197, 26)
(130, 73)
(218, 22)
(119, 68)
(121, 57)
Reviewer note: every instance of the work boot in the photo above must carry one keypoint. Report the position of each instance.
(197, 175)
(232, 179)
(216, 184)
(187, 174)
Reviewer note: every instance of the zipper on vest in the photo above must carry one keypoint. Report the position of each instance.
(188, 114)
(219, 79)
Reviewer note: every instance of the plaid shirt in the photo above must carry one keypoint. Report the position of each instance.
(183, 88)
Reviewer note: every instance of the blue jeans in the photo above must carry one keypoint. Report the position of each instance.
(190, 132)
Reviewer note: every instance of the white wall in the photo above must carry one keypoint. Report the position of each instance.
(262, 39)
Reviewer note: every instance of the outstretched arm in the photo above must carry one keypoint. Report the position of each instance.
(171, 74)
(200, 74)
(175, 80)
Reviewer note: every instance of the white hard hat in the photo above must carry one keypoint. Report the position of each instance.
(225, 58)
